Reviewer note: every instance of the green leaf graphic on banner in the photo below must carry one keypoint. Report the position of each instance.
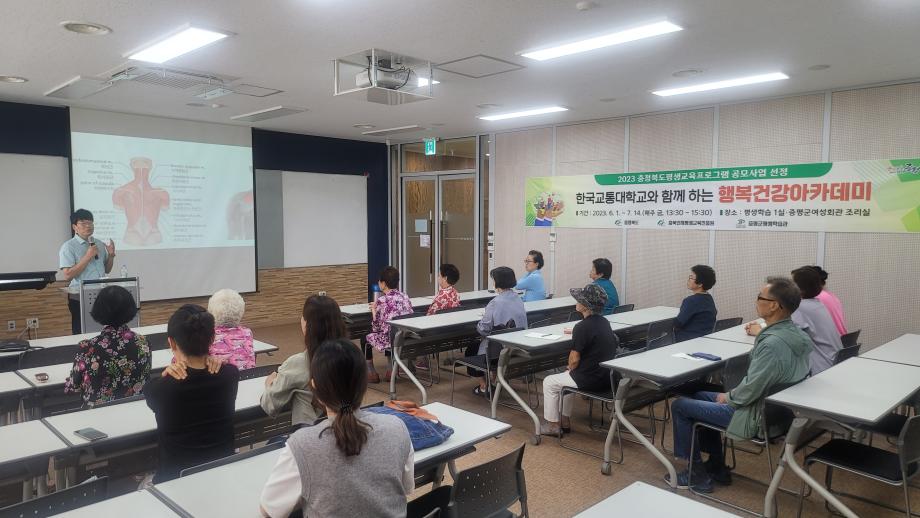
(722, 174)
(911, 220)
(907, 169)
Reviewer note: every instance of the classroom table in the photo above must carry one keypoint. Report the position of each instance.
(241, 482)
(476, 298)
(904, 349)
(640, 500)
(138, 504)
(24, 443)
(661, 370)
(520, 345)
(12, 384)
(65, 340)
(644, 316)
(840, 394)
(734, 334)
(436, 330)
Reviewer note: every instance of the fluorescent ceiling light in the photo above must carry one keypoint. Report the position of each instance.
(526, 113)
(424, 82)
(637, 33)
(177, 45)
(728, 83)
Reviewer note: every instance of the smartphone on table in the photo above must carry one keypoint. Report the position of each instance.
(91, 434)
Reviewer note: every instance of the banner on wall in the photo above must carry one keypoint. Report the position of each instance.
(861, 196)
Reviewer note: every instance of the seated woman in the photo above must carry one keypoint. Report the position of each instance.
(391, 303)
(831, 302)
(289, 387)
(601, 270)
(356, 463)
(532, 283)
(593, 342)
(194, 411)
(232, 342)
(816, 320)
(447, 296)
(698, 311)
(505, 308)
(115, 364)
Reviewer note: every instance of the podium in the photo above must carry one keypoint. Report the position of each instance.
(90, 289)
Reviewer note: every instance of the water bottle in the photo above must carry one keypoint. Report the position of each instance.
(375, 290)
(124, 271)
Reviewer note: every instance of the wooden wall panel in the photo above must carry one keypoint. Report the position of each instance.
(278, 301)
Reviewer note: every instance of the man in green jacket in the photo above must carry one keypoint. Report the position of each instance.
(780, 355)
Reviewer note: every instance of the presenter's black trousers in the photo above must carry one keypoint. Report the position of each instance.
(74, 306)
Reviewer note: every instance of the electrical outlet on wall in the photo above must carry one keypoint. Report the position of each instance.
(32, 323)
(10, 325)
(321, 293)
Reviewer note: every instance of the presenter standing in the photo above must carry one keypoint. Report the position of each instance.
(82, 259)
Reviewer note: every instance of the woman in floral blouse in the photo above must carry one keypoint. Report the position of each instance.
(232, 342)
(115, 364)
(447, 296)
(391, 303)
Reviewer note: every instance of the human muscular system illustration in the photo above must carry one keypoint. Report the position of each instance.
(142, 204)
(241, 216)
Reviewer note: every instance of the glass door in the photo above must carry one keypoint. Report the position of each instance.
(419, 211)
(440, 223)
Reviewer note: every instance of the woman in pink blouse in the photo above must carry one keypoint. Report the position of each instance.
(232, 342)
(832, 303)
(391, 303)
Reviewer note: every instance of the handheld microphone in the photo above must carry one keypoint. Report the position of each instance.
(92, 243)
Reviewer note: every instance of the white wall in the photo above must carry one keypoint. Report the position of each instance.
(876, 275)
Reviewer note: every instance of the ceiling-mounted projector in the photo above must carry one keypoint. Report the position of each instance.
(388, 75)
(384, 77)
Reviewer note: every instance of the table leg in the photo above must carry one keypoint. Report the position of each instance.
(503, 359)
(398, 364)
(620, 397)
(799, 424)
(438, 476)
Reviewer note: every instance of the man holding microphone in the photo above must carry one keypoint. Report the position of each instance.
(81, 259)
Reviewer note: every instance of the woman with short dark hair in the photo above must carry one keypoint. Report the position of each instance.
(116, 363)
(356, 463)
(697, 316)
(601, 270)
(815, 319)
(391, 303)
(532, 283)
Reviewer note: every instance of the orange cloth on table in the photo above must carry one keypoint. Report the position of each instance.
(412, 408)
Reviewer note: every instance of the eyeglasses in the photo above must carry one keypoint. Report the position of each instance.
(759, 297)
(85, 224)
(528, 261)
(692, 278)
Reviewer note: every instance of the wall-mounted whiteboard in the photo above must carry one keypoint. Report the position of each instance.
(325, 219)
(35, 210)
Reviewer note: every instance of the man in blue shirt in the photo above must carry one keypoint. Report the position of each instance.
(532, 282)
(81, 259)
(601, 270)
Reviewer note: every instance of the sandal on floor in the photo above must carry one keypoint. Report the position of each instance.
(477, 391)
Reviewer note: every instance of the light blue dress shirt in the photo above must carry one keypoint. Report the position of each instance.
(532, 284)
(71, 252)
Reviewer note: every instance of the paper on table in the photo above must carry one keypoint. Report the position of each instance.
(686, 356)
(543, 336)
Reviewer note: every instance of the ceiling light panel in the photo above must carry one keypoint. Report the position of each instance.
(525, 113)
(268, 113)
(607, 40)
(728, 83)
(182, 42)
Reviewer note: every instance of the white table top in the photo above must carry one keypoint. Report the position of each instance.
(734, 334)
(469, 316)
(59, 341)
(240, 486)
(469, 429)
(520, 340)
(644, 316)
(904, 349)
(139, 504)
(363, 308)
(476, 295)
(28, 439)
(12, 382)
(659, 365)
(241, 482)
(640, 500)
(858, 390)
(160, 359)
(135, 417)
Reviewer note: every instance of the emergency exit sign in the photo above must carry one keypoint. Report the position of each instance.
(431, 146)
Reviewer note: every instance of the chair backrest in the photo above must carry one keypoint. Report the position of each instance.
(49, 356)
(909, 443)
(573, 316)
(777, 416)
(157, 341)
(659, 334)
(623, 308)
(850, 339)
(61, 501)
(846, 353)
(734, 371)
(725, 323)
(230, 459)
(493, 348)
(489, 488)
(258, 372)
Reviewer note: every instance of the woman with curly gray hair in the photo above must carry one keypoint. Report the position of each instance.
(232, 341)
